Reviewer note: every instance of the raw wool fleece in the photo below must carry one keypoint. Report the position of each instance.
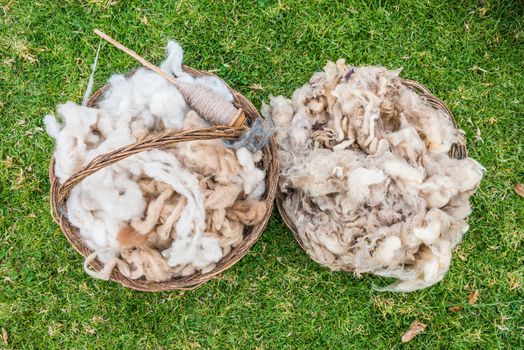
(371, 188)
(162, 213)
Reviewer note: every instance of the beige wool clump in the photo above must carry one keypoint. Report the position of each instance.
(367, 178)
(162, 213)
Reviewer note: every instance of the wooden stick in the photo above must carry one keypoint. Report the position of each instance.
(136, 56)
(205, 101)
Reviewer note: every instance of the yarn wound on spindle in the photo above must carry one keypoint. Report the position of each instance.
(367, 182)
(163, 213)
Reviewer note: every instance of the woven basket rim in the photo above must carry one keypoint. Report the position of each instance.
(59, 192)
(458, 151)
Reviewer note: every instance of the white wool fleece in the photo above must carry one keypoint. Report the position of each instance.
(71, 141)
(104, 203)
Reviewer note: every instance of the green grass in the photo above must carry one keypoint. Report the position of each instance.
(469, 53)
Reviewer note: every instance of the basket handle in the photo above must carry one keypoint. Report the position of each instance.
(165, 139)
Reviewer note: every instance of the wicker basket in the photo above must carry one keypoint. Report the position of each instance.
(59, 192)
(458, 150)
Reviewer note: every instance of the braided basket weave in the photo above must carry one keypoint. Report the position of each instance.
(458, 149)
(60, 192)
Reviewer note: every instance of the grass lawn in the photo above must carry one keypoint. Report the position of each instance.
(469, 53)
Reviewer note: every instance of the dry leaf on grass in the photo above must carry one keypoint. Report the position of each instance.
(473, 297)
(256, 87)
(502, 327)
(5, 337)
(98, 319)
(89, 330)
(519, 188)
(415, 328)
(478, 136)
(455, 308)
